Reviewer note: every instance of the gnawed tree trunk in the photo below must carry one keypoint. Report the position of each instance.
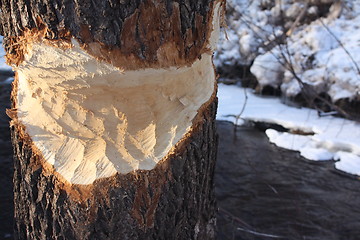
(113, 117)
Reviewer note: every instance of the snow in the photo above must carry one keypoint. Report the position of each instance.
(232, 53)
(267, 70)
(348, 162)
(301, 143)
(324, 53)
(3, 65)
(320, 60)
(247, 26)
(325, 138)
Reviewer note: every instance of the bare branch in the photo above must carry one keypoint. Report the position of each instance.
(342, 46)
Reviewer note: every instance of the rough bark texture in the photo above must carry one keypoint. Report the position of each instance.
(173, 201)
(140, 30)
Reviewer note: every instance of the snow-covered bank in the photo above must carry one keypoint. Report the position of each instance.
(3, 65)
(323, 47)
(324, 54)
(329, 137)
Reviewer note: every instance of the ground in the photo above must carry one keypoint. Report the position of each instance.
(263, 192)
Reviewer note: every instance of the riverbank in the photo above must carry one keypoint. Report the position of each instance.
(266, 192)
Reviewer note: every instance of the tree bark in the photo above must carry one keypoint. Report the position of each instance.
(172, 200)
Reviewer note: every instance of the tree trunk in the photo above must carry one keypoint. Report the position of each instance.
(113, 117)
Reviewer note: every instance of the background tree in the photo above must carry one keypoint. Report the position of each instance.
(113, 109)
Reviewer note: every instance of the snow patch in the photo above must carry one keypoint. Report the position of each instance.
(3, 65)
(317, 51)
(348, 162)
(332, 138)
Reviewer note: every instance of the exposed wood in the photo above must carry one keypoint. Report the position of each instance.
(173, 199)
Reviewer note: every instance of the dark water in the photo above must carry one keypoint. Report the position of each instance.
(6, 167)
(263, 192)
(262, 189)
